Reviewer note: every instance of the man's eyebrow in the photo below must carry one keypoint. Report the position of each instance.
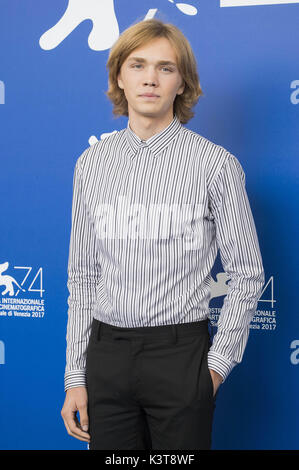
(159, 62)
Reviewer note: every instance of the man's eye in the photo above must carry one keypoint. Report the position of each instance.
(136, 65)
(167, 69)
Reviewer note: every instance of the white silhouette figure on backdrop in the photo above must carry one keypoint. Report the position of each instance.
(105, 29)
(219, 287)
(105, 26)
(7, 280)
(185, 8)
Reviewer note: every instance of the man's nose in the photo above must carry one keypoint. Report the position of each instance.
(150, 77)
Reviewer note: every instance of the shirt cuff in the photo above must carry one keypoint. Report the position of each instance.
(220, 364)
(74, 378)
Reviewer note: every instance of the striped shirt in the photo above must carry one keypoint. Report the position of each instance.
(148, 218)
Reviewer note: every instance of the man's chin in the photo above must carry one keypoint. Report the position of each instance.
(148, 112)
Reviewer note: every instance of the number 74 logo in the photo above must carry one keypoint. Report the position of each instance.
(9, 281)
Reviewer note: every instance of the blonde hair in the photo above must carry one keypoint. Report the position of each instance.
(136, 36)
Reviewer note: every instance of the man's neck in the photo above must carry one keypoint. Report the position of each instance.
(145, 127)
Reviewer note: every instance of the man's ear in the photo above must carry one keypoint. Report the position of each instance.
(119, 81)
(181, 89)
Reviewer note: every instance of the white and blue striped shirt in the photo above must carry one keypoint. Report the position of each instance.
(148, 218)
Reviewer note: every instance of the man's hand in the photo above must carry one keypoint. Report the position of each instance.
(76, 400)
(216, 379)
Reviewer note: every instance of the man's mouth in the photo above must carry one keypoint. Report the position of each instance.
(149, 95)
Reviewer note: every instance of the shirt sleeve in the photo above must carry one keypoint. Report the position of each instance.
(83, 275)
(241, 259)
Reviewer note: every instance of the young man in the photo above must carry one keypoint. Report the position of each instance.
(152, 204)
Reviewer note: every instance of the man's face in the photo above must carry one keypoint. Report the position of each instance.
(151, 69)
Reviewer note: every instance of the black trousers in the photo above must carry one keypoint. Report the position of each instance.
(149, 387)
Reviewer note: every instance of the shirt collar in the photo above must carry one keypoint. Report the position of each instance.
(157, 142)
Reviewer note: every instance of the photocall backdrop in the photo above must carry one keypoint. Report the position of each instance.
(53, 80)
